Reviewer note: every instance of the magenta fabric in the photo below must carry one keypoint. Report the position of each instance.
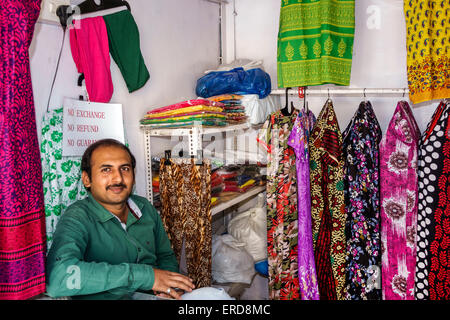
(22, 215)
(298, 140)
(90, 52)
(398, 201)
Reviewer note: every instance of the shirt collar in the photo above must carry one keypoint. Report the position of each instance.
(104, 215)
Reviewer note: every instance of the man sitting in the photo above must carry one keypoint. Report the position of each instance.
(112, 243)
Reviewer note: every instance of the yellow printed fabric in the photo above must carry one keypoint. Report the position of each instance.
(428, 43)
(315, 42)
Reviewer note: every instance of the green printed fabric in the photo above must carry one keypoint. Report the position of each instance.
(315, 42)
(61, 175)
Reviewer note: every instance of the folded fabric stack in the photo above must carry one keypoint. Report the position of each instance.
(231, 180)
(233, 108)
(187, 113)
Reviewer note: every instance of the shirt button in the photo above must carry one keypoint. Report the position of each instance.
(139, 249)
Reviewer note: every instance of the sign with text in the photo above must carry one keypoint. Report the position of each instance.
(86, 122)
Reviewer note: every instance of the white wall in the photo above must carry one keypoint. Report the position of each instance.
(179, 40)
(379, 53)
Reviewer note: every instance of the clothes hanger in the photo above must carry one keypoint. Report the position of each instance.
(88, 6)
(80, 84)
(329, 98)
(285, 111)
(167, 156)
(305, 103)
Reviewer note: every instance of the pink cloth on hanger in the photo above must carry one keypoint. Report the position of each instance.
(90, 52)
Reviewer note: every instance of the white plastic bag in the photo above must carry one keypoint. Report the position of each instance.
(250, 227)
(230, 261)
(243, 63)
(207, 293)
(257, 110)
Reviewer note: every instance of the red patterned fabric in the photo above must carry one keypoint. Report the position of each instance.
(22, 218)
(439, 274)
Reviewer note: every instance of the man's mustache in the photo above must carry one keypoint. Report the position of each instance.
(118, 185)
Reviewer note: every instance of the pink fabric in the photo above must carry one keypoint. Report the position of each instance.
(398, 197)
(90, 52)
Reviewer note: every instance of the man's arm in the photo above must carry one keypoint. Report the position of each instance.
(68, 274)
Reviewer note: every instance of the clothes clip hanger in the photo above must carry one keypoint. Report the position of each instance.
(90, 6)
(64, 12)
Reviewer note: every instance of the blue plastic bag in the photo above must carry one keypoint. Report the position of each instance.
(238, 81)
(262, 267)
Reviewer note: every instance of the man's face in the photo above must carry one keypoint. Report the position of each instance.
(112, 176)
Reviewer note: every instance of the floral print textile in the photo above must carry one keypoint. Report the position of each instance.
(398, 200)
(282, 215)
(361, 154)
(298, 140)
(327, 204)
(61, 175)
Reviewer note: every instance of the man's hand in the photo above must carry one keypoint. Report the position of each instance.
(165, 280)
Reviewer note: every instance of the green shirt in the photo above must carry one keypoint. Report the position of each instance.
(93, 257)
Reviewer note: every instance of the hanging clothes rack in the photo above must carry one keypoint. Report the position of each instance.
(347, 91)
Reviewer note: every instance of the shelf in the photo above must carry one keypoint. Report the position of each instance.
(225, 205)
(189, 130)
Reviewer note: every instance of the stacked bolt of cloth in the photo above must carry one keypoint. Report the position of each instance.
(187, 113)
(233, 108)
(232, 180)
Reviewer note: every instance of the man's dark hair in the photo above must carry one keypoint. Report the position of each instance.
(86, 159)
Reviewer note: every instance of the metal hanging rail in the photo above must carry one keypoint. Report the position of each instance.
(344, 91)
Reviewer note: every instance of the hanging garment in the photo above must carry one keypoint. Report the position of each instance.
(22, 217)
(90, 52)
(433, 233)
(125, 48)
(327, 204)
(185, 190)
(427, 49)
(362, 198)
(61, 175)
(398, 201)
(298, 140)
(315, 42)
(282, 215)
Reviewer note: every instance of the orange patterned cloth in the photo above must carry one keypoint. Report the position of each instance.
(427, 49)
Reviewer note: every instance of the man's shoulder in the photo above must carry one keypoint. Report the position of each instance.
(79, 208)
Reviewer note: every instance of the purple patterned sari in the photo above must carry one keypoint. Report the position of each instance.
(298, 140)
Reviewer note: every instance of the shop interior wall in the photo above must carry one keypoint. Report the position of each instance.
(179, 40)
(379, 54)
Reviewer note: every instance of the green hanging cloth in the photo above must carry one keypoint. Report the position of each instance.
(315, 42)
(125, 48)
